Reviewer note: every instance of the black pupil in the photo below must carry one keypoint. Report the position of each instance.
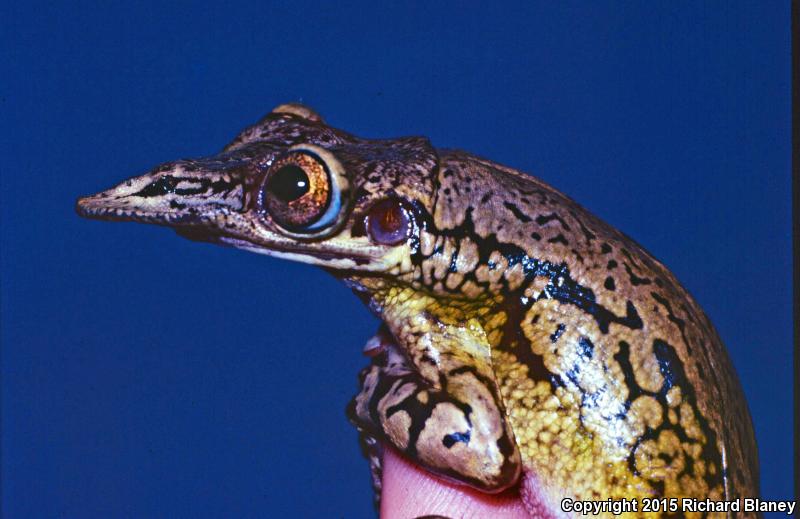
(288, 183)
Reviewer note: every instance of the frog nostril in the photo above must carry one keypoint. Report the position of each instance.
(388, 222)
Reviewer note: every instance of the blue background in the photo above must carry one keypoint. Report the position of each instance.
(148, 376)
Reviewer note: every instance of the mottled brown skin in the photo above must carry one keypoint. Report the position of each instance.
(523, 337)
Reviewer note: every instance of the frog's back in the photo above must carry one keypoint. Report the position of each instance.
(615, 381)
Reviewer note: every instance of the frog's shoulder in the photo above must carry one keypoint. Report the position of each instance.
(517, 208)
(511, 208)
(463, 166)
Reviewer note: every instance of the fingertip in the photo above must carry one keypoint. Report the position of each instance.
(411, 492)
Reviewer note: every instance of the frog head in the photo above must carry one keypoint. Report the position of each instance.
(290, 186)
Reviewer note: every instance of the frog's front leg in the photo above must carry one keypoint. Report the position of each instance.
(435, 400)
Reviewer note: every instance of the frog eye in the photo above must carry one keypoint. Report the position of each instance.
(303, 191)
(389, 222)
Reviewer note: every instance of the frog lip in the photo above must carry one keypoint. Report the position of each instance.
(341, 259)
(90, 207)
(214, 236)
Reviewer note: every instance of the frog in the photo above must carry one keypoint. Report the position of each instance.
(524, 343)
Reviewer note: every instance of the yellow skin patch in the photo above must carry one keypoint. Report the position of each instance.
(525, 338)
(582, 452)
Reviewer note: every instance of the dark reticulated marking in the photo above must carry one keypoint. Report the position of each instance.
(522, 217)
(565, 289)
(635, 280)
(681, 324)
(589, 235)
(556, 334)
(168, 184)
(419, 412)
(544, 219)
(672, 371)
(585, 347)
(451, 439)
(561, 287)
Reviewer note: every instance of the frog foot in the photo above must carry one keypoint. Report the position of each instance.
(465, 440)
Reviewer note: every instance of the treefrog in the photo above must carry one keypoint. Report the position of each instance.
(524, 342)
